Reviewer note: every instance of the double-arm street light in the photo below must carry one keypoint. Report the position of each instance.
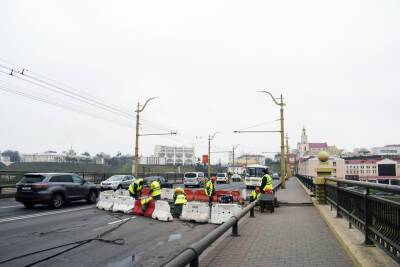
(210, 137)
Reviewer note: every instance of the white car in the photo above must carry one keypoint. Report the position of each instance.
(236, 177)
(196, 179)
(117, 182)
(222, 177)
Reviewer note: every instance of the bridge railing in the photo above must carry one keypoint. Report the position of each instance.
(191, 254)
(372, 208)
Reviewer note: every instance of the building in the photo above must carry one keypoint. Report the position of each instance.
(376, 170)
(248, 159)
(306, 148)
(176, 155)
(53, 156)
(307, 166)
(388, 150)
(152, 160)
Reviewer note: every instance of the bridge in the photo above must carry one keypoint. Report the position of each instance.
(315, 225)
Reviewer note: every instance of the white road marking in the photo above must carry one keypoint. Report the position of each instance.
(30, 216)
(11, 207)
(123, 220)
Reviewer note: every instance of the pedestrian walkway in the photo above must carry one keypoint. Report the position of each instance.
(291, 236)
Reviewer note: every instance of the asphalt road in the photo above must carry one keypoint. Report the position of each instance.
(146, 242)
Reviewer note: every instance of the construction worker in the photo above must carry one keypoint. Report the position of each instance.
(255, 194)
(179, 200)
(210, 189)
(145, 202)
(135, 188)
(155, 189)
(266, 182)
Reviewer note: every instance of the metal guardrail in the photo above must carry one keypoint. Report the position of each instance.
(373, 208)
(191, 254)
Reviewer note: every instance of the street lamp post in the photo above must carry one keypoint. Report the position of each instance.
(282, 131)
(138, 110)
(288, 170)
(210, 137)
(233, 156)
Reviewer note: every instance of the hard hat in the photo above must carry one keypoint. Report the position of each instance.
(178, 190)
(140, 181)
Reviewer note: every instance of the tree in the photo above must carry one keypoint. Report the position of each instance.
(86, 154)
(13, 155)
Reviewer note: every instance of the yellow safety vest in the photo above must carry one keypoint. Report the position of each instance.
(155, 188)
(209, 188)
(134, 189)
(146, 200)
(254, 195)
(268, 185)
(180, 199)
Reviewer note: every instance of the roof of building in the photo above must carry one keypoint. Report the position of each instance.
(392, 145)
(318, 145)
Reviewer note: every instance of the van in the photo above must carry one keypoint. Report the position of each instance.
(196, 179)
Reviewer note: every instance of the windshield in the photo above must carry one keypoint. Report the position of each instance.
(220, 174)
(190, 175)
(30, 179)
(116, 178)
(255, 172)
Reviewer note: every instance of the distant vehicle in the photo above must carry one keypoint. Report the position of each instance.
(163, 181)
(222, 178)
(193, 179)
(117, 182)
(253, 175)
(236, 177)
(275, 176)
(54, 189)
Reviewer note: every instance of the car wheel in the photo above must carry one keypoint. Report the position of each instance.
(28, 205)
(119, 187)
(92, 197)
(56, 201)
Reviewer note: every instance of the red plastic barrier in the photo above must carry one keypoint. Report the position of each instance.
(189, 194)
(145, 191)
(235, 195)
(137, 210)
(199, 195)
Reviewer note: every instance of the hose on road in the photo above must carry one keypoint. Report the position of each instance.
(117, 241)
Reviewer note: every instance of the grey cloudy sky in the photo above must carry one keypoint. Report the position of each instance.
(337, 64)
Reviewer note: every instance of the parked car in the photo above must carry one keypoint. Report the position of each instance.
(222, 178)
(54, 189)
(196, 179)
(163, 181)
(236, 177)
(275, 176)
(117, 182)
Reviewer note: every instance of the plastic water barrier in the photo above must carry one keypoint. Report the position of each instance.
(137, 210)
(167, 193)
(195, 211)
(220, 213)
(106, 200)
(123, 204)
(162, 211)
(189, 194)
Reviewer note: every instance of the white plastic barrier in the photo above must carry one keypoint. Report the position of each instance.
(167, 193)
(195, 211)
(123, 204)
(106, 200)
(221, 213)
(122, 192)
(162, 211)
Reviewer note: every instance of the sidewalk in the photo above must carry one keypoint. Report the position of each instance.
(291, 236)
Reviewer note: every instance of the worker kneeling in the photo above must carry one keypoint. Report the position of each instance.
(255, 194)
(179, 200)
(144, 202)
(155, 189)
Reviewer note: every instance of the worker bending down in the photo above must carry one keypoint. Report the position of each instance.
(179, 200)
(135, 188)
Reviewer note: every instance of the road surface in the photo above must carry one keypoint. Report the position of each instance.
(147, 242)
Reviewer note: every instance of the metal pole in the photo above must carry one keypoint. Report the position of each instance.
(283, 182)
(209, 156)
(137, 143)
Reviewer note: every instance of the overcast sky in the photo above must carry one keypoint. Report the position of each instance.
(337, 64)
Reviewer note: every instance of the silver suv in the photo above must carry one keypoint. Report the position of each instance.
(117, 182)
(193, 179)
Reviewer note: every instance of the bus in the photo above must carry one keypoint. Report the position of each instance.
(253, 175)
